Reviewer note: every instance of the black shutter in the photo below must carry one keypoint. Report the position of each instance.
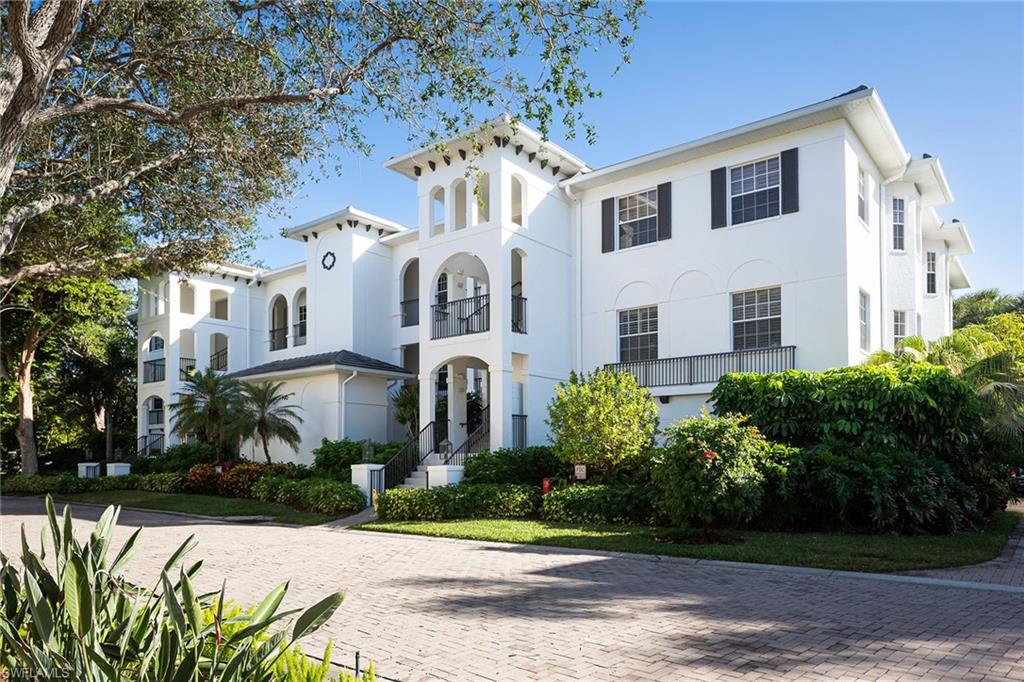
(790, 181)
(607, 225)
(718, 218)
(664, 211)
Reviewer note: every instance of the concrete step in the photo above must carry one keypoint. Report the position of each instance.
(415, 483)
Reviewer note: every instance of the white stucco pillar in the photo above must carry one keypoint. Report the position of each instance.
(365, 477)
(428, 396)
(504, 403)
(457, 431)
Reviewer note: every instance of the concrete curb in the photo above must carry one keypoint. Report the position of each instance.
(729, 565)
(246, 520)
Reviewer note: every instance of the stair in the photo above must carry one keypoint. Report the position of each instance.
(418, 478)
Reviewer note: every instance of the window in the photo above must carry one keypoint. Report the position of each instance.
(754, 189)
(897, 224)
(517, 200)
(930, 281)
(899, 326)
(638, 218)
(186, 299)
(865, 321)
(862, 194)
(219, 304)
(156, 343)
(757, 319)
(483, 198)
(638, 334)
(437, 211)
(442, 288)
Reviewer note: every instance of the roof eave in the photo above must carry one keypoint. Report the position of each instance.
(347, 213)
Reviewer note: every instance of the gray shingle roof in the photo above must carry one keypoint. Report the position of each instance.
(344, 358)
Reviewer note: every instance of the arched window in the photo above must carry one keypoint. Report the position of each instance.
(278, 323)
(518, 192)
(156, 343)
(299, 326)
(186, 298)
(518, 291)
(219, 352)
(218, 304)
(459, 207)
(442, 288)
(437, 211)
(155, 413)
(410, 303)
(483, 198)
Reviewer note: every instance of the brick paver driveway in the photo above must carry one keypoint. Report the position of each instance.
(442, 609)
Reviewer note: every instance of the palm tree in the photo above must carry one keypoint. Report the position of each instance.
(207, 406)
(406, 402)
(980, 358)
(264, 415)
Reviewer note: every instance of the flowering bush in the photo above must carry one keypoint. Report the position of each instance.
(711, 470)
(238, 480)
(202, 479)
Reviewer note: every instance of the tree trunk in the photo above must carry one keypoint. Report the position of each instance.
(26, 431)
(99, 417)
(266, 448)
(109, 433)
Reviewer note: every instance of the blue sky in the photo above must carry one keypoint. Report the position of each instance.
(951, 76)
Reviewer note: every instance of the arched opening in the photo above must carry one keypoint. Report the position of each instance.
(186, 353)
(156, 345)
(218, 304)
(459, 205)
(483, 198)
(152, 421)
(161, 298)
(186, 298)
(154, 414)
(219, 352)
(518, 291)
(410, 303)
(518, 200)
(299, 323)
(461, 396)
(462, 298)
(437, 211)
(278, 323)
(154, 364)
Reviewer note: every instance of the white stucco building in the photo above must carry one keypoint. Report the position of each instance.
(806, 240)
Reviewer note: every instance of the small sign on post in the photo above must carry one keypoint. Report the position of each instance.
(580, 472)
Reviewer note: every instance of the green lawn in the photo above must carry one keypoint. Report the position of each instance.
(839, 551)
(204, 505)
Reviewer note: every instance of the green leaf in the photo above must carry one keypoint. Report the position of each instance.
(270, 603)
(316, 615)
(78, 596)
(125, 554)
(193, 611)
(173, 607)
(187, 546)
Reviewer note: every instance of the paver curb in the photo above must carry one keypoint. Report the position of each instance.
(245, 520)
(729, 565)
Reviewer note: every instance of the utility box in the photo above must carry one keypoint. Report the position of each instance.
(88, 469)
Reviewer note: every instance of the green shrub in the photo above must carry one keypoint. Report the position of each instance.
(202, 479)
(528, 466)
(334, 458)
(596, 503)
(287, 469)
(289, 492)
(604, 420)
(331, 497)
(171, 482)
(177, 458)
(237, 481)
(266, 487)
(458, 502)
(711, 469)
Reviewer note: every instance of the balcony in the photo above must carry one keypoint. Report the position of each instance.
(279, 338)
(410, 312)
(153, 371)
(299, 333)
(707, 369)
(187, 366)
(219, 361)
(460, 317)
(518, 314)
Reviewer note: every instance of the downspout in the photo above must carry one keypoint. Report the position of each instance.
(341, 430)
(248, 326)
(883, 275)
(578, 276)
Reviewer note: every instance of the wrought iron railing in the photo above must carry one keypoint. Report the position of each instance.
(460, 317)
(299, 333)
(405, 461)
(518, 314)
(150, 445)
(478, 441)
(279, 338)
(410, 310)
(153, 371)
(709, 368)
(219, 360)
(519, 431)
(186, 367)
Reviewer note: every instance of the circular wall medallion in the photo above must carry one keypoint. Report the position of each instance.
(328, 260)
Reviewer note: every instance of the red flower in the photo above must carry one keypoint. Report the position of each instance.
(709, 454)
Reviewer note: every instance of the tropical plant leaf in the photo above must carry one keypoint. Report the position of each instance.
(316, 615)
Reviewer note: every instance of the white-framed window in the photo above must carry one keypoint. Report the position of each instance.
(899, 326)
(442, 289)
(755, 189)
(638, 334)
(638, 218)
(757, 319)
(898, 224)
(156, 343)
(930, 276)
(865, 320)
(862, 194)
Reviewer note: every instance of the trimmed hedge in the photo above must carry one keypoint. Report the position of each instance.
(528, 466)
(20, 484)
(596, 503)
(321, 495)
(464, 501)
(177, 458)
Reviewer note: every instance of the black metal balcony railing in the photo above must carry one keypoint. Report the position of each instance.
(299, 333)
(150, 445)
(460, 317)
(519, 431)
(278, 338)
(188, 365)
(410, 310)
(153, 371)
(518, 314)
(709, 368)
(219, 361)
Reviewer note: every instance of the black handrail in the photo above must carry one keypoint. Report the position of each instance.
(188, 365)
(219, 360)
(480, 436)
(708, 368)
(299, 333)
(460, 317)
(410, 310)
(519, 431)
(150, 445)
(279, 338)
(416, 449)
(518, 314)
